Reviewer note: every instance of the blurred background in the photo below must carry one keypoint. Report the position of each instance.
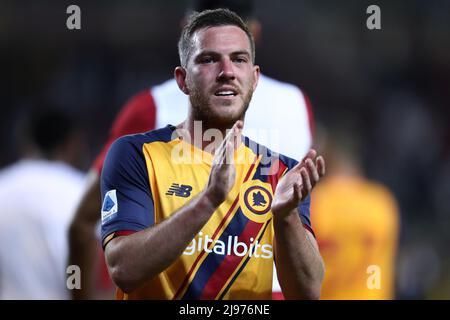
(389, 87)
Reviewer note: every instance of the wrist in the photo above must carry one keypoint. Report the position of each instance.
(210, 200)
(284, 215)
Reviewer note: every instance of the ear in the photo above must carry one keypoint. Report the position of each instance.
(256, 74)
(180, 77)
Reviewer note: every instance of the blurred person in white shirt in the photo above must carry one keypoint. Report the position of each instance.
(38, 196)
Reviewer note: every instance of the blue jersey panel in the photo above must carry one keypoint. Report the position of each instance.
(127, 201)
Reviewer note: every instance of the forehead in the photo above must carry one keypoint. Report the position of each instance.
(221, 38)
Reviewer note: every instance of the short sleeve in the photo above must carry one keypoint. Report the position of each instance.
(305, 205)
(304, 212)
(127, 203)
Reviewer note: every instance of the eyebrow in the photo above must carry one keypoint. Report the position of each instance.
(215, 53)
(237, 53)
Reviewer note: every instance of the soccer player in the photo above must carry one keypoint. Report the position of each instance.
(357, 224)
(277, 108)
(184, 220)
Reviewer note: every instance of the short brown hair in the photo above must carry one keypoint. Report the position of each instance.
(207, 19)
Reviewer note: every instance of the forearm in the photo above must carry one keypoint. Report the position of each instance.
(83, 243)
(299, 264)
(83, 253)
(141, 256)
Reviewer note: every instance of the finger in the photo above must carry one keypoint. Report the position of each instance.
(297, 167)
(229, 153)
(228, 137)
(307, 187)
(220, 154)
(221, 150)
(314, 175)
(310, 155)
(298, 192)
(224, 156)
(320, 163)
(238, 126)
(231, 133)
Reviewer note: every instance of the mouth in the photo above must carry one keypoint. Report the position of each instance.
(226, 92)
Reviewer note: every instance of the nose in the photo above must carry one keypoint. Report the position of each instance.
(226, 70)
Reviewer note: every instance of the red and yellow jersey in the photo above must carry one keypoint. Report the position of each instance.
(356, 224)
(148, 177)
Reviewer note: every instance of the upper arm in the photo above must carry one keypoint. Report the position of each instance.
(312, 239)
(113, 246)
(127, 201)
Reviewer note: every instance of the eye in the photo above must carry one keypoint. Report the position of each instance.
(240, 60)
(206, 60)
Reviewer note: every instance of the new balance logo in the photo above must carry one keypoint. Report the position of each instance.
(183, 191)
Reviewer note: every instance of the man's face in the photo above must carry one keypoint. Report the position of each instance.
(220, 75)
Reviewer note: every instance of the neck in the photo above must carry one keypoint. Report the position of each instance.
(202, 134)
